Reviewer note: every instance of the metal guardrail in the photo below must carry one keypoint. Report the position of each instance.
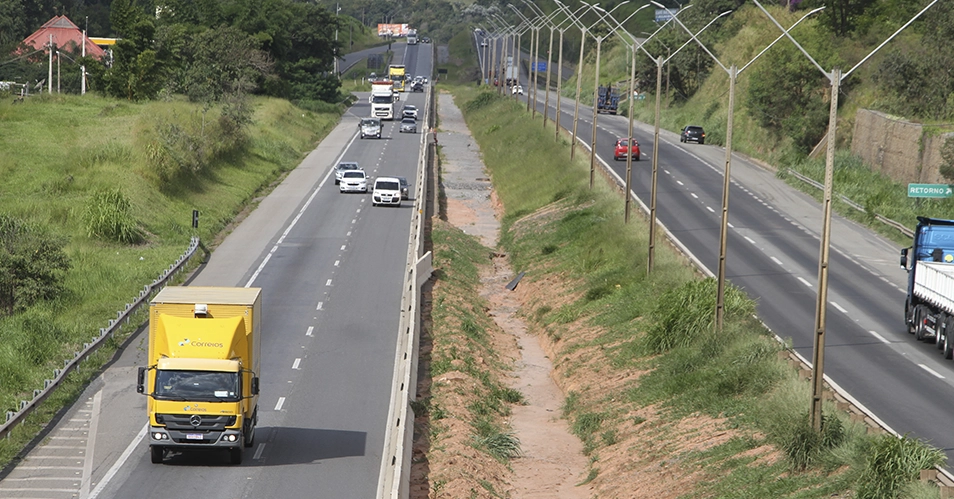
(395, 474)
(122, 317)
(887, 221)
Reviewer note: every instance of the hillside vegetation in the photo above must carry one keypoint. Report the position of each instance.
(658, 399)
(108, 188)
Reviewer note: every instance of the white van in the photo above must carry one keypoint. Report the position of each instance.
(387, 190)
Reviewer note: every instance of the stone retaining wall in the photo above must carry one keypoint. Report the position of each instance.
(900, 149)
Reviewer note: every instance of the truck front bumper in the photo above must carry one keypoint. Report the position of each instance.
(160, 436)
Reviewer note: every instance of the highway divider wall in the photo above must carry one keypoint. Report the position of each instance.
(395, 474)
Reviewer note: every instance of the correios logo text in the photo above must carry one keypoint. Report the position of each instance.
(210, 344)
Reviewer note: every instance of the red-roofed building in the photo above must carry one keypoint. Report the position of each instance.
(66, 36)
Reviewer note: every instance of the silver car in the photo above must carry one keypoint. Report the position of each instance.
(408, 125)
(343, 167)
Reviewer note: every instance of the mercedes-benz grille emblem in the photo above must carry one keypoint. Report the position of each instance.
(195, 421)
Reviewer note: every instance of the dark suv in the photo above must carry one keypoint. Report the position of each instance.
(693, 133)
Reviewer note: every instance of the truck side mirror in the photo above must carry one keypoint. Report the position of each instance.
(255, 386)
(141, 381)
(904, 258)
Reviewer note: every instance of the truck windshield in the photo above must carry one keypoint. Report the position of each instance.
(206, 386)
(382, 99)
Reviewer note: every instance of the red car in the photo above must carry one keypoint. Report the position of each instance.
(622, 145)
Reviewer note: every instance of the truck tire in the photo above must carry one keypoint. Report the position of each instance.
(157, 453)
(235, 455)
(919, 322)
(948, 347)
(943, 324)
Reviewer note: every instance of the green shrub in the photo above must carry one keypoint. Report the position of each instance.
(108, 217)
(805, 445)
(683, 313)
(894, 462)
(32, 264)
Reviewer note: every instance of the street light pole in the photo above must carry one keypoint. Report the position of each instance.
(821, 303)
(337, 10)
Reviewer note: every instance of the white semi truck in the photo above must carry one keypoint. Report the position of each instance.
(382, 99)
(929, 307)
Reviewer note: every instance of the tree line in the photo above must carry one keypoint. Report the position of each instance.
(208, 50)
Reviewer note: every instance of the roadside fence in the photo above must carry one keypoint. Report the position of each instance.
(123, 317)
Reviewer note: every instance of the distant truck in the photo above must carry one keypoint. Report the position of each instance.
(382, 99)
(202, 380)
(511, 74)
(412, 37)
(608, 99)
(929, 307)
(396, 73)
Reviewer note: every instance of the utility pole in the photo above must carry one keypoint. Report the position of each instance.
(83, 67)
(49, 78)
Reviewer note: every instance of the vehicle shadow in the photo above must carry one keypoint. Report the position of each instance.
(283, 446)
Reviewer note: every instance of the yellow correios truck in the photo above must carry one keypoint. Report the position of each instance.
(202, 379)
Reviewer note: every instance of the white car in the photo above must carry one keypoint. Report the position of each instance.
(343, 167)
(516, 90)
(353, 181)
(387, 190)
(409, 111)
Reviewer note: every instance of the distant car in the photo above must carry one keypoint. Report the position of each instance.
(483, 43)
(693, 133)
(370, 127)
(408, 125)
(516, 90)
(405, 187)
(343, 167)
(623, 148)
(425, 40)
(353, 181)
(409, 111)
(387, 190)
(417, 86)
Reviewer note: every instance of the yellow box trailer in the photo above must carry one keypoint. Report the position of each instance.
(202, 377)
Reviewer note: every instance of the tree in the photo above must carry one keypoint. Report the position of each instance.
(788, 98)
(32, 264)
(221, 62)
(841, 16)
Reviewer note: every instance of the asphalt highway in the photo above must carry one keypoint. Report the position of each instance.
(773, 249)
(331, 268)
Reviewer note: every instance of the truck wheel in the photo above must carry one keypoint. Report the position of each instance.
(940, 329)
(948, 347)
(235, 455)
(157, 453)
(919, 323)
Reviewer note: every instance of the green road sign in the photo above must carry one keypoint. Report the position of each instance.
(929, 191)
